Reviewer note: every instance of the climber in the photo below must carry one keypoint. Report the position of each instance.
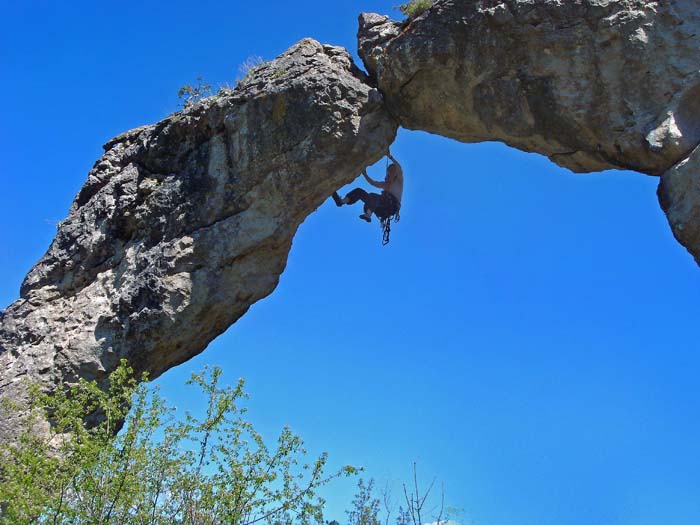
(384, 205)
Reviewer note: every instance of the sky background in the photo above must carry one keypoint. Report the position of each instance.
(529, 336)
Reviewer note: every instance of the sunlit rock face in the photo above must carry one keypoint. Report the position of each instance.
(592, 84)
(182, 225)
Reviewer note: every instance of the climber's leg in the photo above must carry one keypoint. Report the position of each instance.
(356, 195)
(370, 200)
(367, 215)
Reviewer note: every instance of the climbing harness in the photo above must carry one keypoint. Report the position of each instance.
(385, 220)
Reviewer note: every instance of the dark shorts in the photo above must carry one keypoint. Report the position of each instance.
(387, 205)
(383, 205)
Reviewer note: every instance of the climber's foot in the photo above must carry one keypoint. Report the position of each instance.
(336, 198)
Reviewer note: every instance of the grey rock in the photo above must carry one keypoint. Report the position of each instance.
(184, 224)
(592, 84)
(679, 196)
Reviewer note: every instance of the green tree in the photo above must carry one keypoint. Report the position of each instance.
(365, 507)
(159, 469)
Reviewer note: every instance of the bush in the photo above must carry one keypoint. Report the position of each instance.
(190, 94)
(365, 507)
(158, 469)
(415, 8)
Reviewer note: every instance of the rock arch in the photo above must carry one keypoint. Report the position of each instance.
(182, 225)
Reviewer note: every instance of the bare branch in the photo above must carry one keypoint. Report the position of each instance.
(388, 506)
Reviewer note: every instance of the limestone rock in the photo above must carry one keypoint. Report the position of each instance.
(679, 196)
(182, 225)
(592, 84)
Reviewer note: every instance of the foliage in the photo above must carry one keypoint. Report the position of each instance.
(415, 8)
(365, 507)
(158, 469)
(190, 94)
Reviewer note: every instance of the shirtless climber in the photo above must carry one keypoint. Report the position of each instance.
(384, 205)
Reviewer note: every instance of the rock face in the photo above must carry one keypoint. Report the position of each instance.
(592, 84)
(184, 224)
(679, 195)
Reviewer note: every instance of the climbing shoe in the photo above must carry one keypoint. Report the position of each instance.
(337, 199)
(366, 217)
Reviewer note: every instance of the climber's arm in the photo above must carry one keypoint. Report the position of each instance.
(373, 182)
(388, 154)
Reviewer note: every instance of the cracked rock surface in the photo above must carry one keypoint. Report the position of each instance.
(182, 225)
(592, 84)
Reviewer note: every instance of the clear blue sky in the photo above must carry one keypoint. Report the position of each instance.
(530, 336)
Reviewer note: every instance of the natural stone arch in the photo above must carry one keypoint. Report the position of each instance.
(184, 224)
